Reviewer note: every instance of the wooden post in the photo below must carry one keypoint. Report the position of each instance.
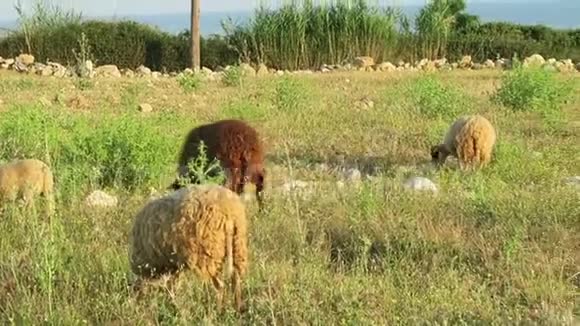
(195, 37)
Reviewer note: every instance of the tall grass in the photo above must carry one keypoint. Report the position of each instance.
(307, 34)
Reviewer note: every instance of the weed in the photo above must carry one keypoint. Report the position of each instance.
(291, 94)
(532, 89)
(202, 170)
(233, 77)
(434, 99)
(189, 82)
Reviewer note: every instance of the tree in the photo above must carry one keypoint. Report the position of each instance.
(195, 37)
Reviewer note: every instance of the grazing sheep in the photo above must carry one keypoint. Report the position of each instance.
(195, 228)
(26, 179)
(470, 138)
(236, 146)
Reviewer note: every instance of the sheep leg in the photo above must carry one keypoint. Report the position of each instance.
(219, 288)
(259, 194)
(237, 289)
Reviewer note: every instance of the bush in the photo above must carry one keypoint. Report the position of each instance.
(125, 152)
(122, 152)
(532, 89)
(435, 100)
(189, 82)
(233, 76)
(290, 94)
(126, 44)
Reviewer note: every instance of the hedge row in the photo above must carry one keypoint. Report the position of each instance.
(129, 44)
(126, 44)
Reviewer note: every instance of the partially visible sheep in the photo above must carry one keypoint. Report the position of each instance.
(26, 179)
(470, 138)
(195, 228)
(238, 148)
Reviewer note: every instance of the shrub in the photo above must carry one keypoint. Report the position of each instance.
(189, 82)
(435, 100)
(532, 89)
(233, 76)
(126, 152)
(290, 94)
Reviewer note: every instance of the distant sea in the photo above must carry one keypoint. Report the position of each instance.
(557, 14)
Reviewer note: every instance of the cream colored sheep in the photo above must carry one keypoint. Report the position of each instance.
(195, 228)
(26, 179)
(470, 138)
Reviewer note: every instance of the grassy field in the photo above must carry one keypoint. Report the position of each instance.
(498, 246)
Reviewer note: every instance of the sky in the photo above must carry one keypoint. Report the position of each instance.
(147, 7)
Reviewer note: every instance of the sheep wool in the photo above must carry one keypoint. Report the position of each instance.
(471, 139)
(197, 228)
(238, 148)
(26, 179)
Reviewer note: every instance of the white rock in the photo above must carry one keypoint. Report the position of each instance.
(25, 59)
(535, 60)
(143, 71)
(386, 66)
(100, 198)
(353, 175)
(420, 184)
(262, 70)
(364, 62)
(573, 181)
(156, 74)
(108, 71)
(145, 108)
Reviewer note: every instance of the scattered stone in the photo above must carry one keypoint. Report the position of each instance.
(8, 62)
(565, 66)
(489, 64)
(365, 104)
(206, 71)
(420, 184)
(128, 73)
(454, 65)
(386, 66)
(78, 102)
(321, 167)
(145, 108)
(325, 70)
(280, 72)
(500, 64)
(57, 69)
(85, 69)
(108, 71)
(573, 181)
(477, 66)
(188, 71)
(297, 186)
(156, 75)
(25, 59)
(262, 70)
(247, 70)
(100, 198)
(535, 60)
(466, 62)
(551, 61)
(20, 66)
(143, 71)
(440, 62)
(429, 66)
(364, 62)
(353, 175)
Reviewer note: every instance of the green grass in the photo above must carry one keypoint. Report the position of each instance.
(497, 246)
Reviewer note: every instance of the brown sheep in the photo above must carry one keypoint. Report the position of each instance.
(26, 179)
(196, 228)
(470, 138)
(238, 148)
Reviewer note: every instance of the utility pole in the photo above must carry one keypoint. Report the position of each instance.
(195, 38)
